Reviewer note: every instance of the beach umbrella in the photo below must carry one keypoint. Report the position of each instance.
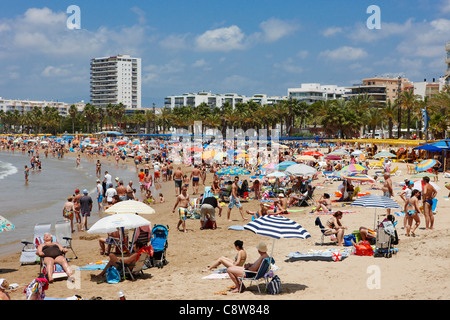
(5, 224)
(312, 153)
(117, 222)
(339, 152)
(305, 158)
(269, 166)
(220, 155)
(384, 154)
(276, 174)
(425, 165)
(375, 201)
(208, 154)
(355, 176)
(418, 185)
(277, 227)
(300, 170)
(233, 171)
(333, 157)
(121, 143)
(130, 207)
(353, 168)
(423, 174)
(282, 166)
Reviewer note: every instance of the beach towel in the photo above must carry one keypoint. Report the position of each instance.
(237, 228)
(318, 255)
(215, 276)
(94, 266)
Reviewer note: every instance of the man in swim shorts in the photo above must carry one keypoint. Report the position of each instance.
(387, 188)
(428, 194)
(85, 208)
(234, 200)
(195, 175)
(99, 195)
(178, 178)
(183, 202)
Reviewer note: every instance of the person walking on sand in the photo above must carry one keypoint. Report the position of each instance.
(76, 208)
(99, 195)
(98, 168)
(234, 200)
(85, 208)
(387, 188)
(428, 194)
(178, 179)
(195, 176)
(183, 202)
(68, 212)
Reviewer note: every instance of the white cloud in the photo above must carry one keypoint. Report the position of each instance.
(51, 71)
(199, 63)
(174, 42)
(289, 66)
(302, 54)
(362, 34)
(275, 29)
(221, 39)
(331, 31)
(446, 6)
(344, 53)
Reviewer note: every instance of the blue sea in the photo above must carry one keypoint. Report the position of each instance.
(41, 199)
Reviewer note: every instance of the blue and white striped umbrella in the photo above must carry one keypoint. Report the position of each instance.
(375, 201)
(277, 227)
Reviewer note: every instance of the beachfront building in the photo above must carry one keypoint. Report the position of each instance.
(312, 92)
(447, 61)
(380, 89)
(116, 80)
(217, 100)
(24, 106)
(427, 89)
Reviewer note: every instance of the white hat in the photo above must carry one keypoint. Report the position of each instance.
(261, 247)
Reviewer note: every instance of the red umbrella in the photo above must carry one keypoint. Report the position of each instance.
(333, 157)
(121, 143)
(312, 153)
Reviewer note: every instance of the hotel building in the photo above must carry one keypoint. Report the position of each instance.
(380, 89)
(116, 80)
(312, 92)
(24, 106)
(217, 100)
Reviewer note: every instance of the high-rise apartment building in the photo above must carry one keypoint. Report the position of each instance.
(116, 80)
(447, 61)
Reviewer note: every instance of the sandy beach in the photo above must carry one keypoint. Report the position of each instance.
(418, 271)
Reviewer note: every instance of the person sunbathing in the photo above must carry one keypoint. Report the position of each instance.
(334, 226)
(324, 203)
(116, 262)
(53, 252)
(239, 260)
(236, 272)
(260, 213)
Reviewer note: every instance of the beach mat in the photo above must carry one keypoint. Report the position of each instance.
(237, 228)
(317, 255)
(94, 266)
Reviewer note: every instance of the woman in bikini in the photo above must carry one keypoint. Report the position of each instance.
(412, 213)
(239, 259)
(68, 211)
(334, 226)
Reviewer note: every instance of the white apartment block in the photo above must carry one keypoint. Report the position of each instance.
(312, 92)
(24, 106)
(217, 100)
(116, 80)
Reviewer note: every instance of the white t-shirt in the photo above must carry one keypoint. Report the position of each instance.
(108, 179)
(110, 193)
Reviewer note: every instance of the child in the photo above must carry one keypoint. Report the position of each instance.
(149, 197)
(161, 198)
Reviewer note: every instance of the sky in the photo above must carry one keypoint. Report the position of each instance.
(246, 47)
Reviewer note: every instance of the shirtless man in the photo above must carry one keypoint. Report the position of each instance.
(121, 191)
(195, 176)
(98, 168)
(178, 178)
(183, 202)
(428, 194)
(148, 181)
(234, 200)
(387, 188)
(77, 207)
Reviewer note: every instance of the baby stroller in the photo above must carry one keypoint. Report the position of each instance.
(386, 239)
(159, 243)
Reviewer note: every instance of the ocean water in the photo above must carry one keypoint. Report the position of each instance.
(41, 199)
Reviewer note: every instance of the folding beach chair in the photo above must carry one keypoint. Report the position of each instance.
(137, 268)
(63, 235)
(259, 275)
(58, 270)
(323, 230)
(120, 243)
(28, 255)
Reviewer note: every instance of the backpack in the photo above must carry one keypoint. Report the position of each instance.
(112, 275)
(274, 286)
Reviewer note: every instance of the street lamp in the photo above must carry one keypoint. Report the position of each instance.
(154, 119)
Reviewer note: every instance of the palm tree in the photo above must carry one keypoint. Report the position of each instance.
(390, 111)
(73, 113)
(407, 101)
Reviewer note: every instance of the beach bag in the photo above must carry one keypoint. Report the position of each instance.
(348, 240)
(274, 286)
(112, 275)
(363, 248)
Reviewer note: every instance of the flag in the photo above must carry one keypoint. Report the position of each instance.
(425, 119)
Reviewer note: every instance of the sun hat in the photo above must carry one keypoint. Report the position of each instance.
(85, 191)
(280, 195)
(261, 247)
(77, 190)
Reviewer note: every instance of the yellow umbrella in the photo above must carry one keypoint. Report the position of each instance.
(208, 154)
